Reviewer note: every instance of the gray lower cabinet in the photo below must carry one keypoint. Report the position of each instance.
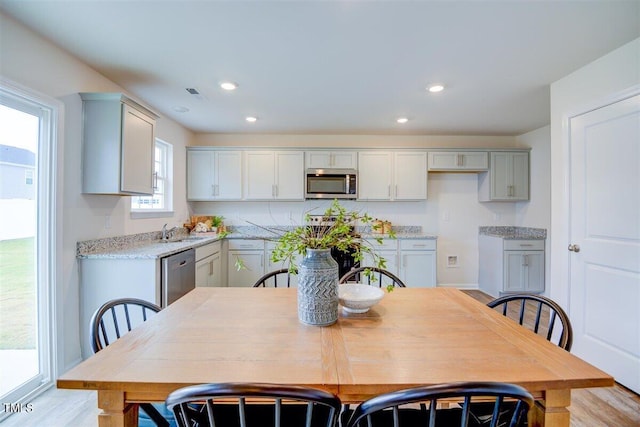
(250, 252)
(511, 265)
(209, 265)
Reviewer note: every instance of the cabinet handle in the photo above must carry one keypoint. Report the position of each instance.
(211, 268)
(396, 189)
(525, 260)
(418, 245)
(510, 190)
(459, 159)
(155, 181)
(213, 189)
(331, 160)
(389, 191)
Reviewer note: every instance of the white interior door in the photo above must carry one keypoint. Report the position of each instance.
(605, 225)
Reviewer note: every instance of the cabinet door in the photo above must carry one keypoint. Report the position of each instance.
(501, 175)
(514, 271)
(458, 161)
(509, 176)
(203, 271)
(520, 176)
(215, 276)
(138, 141)
(344, 160)
(523, 271)
(253, 262)
(418, 268)
(200, 179)
(410, 176)
(535, 271)
(228, 177)
(289, 175)
(331, 159)
(260, 175)
(391, 263)
(374, 175)
(317, 159)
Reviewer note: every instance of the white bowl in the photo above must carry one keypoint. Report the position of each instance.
(358, 297)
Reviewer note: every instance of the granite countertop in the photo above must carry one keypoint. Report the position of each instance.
(514, 233)
(149, 246)
(139, 246)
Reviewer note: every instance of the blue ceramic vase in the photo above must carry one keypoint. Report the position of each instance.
(318, 288)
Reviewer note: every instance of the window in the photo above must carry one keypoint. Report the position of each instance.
(160, 204)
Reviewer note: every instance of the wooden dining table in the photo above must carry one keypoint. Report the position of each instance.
(414, 336)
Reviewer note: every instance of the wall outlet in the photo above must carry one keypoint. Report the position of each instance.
(452, 261)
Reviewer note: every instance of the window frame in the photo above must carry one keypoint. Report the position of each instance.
(165, 175)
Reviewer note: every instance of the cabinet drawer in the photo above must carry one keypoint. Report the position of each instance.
(245, 244)
(418, 245)
(524, 245)
(387, 244)
(207, 250)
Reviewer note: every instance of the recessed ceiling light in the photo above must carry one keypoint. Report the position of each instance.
(229, 85)
(251, 119)
(435, 88)
(180, 109)
(402, 120)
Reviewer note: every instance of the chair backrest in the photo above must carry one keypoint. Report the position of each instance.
(380, 276)
(474, 403)
(275, 278)
(254, 404)
(117, 317)
(539, 314)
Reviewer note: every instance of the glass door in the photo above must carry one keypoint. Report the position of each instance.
(26, 285)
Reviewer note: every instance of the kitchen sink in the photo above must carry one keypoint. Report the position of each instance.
(185, 239)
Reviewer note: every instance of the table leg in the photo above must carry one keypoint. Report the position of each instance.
(552, 410)
(115, 411)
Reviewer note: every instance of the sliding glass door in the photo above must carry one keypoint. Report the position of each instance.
(26, 241)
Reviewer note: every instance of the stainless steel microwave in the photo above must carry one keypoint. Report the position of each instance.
(331, 184)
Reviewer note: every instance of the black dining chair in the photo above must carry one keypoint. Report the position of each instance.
(253, 404)
(378, 275)
(508, 405)
(538, 313)
(271, 279)
(111, 321)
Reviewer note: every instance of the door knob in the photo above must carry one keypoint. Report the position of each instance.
(574, 248)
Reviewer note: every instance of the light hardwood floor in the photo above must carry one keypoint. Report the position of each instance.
(600, 407)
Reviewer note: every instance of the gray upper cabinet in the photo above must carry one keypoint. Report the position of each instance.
(337, 159)
(458, 161)
(214, 174)
(507, 179)
(118, 145)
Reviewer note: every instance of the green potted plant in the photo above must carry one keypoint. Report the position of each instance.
(337, 235)
(318, 272)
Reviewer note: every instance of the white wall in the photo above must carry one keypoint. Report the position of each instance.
(592, 86)
(31, 61)
(537, 211)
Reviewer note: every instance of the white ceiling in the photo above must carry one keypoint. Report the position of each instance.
(339, 67)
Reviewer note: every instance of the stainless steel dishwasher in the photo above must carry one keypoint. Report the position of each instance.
(178, 275)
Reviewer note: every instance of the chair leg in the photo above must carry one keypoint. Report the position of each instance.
(154, 415)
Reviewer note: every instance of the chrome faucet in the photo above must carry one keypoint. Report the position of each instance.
(165, 232)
